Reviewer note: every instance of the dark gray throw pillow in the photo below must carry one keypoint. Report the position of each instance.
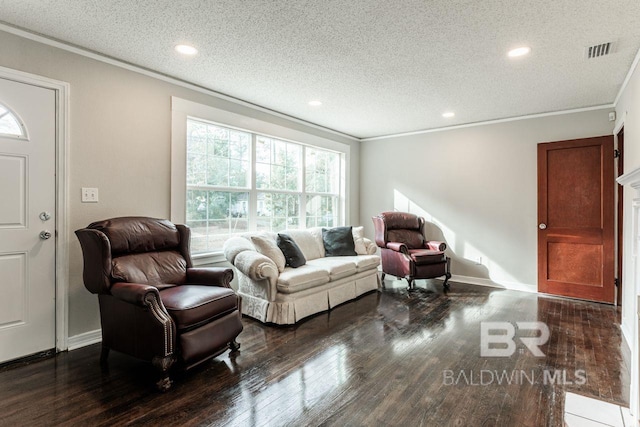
(291, 251)
(338, 241)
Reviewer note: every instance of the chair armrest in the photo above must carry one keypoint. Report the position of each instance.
(371, 247)
(434, 245)
(154, 335)
(134, 293)
(258, 267)
(214, 276)
(255, 265)
(398, 247)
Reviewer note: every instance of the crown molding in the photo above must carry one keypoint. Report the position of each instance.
(159, 76)
(40, 38)
(491, 122)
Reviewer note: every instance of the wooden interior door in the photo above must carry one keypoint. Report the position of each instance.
(576, 218)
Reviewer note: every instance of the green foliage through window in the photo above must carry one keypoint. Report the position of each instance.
(293, 186)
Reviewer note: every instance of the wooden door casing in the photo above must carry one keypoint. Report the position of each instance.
(576, 204)
(620, 217)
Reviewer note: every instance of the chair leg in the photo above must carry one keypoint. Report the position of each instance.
(163, 364)
(446, 285)
(234, 346)
(104, 355)
(382, 279)
(412, 282)
(447, 275)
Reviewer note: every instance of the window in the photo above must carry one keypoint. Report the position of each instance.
(322, 187)
(278, 181)
(237, 181)
(217, 182)
(10, 125)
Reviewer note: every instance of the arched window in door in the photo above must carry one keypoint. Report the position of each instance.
(10, 123)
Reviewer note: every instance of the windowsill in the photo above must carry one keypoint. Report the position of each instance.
(207, 259)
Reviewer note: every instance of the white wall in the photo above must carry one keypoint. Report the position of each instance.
(628, 114)
(121, 143)
(477, 184)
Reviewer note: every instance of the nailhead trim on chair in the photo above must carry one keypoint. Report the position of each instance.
(161, 315)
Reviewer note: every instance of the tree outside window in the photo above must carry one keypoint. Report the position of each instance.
(292, 185)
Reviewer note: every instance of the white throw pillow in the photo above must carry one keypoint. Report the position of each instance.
(308, 243)
(268, 247)
(358, 239)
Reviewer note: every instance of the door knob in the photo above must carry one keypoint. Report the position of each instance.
(542, 226)
(45, 234)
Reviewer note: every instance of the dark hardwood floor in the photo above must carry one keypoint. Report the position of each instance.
(389, 358)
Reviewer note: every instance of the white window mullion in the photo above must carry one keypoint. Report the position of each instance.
(253, 193)
(207, 223)
(216, 188)
(342, 188)
(303, 194)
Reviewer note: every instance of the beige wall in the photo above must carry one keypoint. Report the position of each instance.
(120, 142)
(477, 184)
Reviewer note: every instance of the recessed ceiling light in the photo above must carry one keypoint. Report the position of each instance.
(448, 114)
(185, 49)
(315, 103)
(519, 51)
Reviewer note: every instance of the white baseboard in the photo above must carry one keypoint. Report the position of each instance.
(627, 337)
(628, 418)
(483, 282)
(490, 283)
(84, 339)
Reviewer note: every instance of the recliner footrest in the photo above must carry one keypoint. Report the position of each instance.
(426, 256)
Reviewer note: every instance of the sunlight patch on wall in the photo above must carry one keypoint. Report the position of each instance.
(402, 203)
(459, 249)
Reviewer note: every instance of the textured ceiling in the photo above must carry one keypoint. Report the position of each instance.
(379, 67)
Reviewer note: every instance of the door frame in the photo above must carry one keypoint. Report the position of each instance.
(61, 90)
(619, 144)
(619, 127)
(608, 237)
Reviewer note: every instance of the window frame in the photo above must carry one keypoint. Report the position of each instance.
(24, 135)
(183, 110)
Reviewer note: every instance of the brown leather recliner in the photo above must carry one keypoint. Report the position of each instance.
(153, 304)
(405, 251)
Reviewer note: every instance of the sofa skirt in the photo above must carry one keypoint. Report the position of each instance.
(288, 309)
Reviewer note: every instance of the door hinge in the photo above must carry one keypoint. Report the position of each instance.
(616, 282)
(616, 154)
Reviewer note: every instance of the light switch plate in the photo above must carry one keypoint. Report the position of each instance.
(89, 195)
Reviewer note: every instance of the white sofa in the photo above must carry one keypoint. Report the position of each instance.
(274, 293)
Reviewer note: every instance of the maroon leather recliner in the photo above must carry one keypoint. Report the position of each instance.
(153, 304)
(405, 251)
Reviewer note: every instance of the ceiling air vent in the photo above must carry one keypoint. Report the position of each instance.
(598, 50)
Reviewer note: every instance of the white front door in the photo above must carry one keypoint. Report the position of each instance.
(27, 209)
